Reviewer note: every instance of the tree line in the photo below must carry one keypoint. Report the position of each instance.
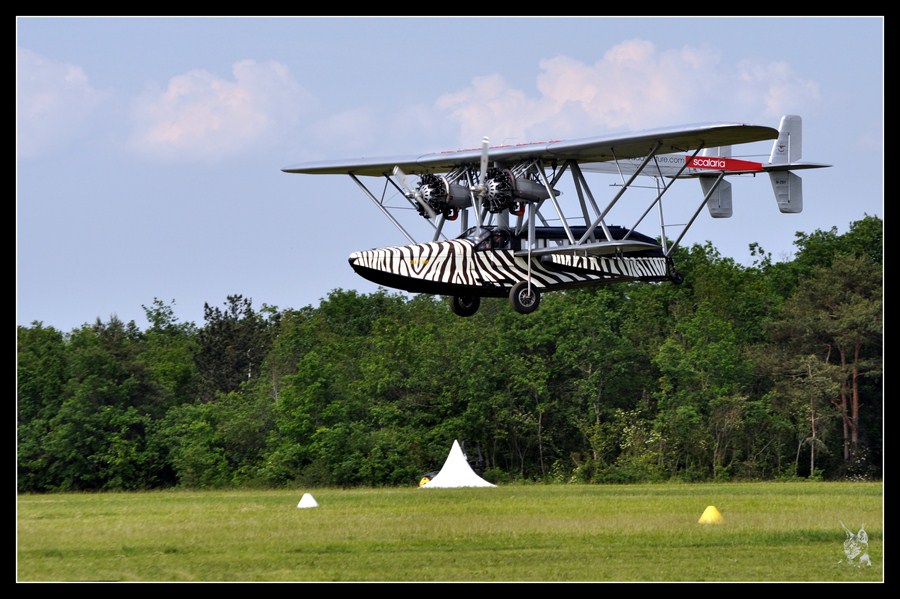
(772, 371)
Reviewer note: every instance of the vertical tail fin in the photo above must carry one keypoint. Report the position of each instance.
(786, 150)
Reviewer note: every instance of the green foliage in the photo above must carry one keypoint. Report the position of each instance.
(41, 374)
(766, 372)
(169, 355)
(231, 345)
(865, 238)
(836, 317)
(196, 450)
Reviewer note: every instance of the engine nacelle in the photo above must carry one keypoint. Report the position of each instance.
(440, 194)
(503, 190)
(532, 191)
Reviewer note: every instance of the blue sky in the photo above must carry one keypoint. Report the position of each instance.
(149, 150)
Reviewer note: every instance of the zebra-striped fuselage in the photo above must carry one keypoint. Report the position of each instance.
(455, 267)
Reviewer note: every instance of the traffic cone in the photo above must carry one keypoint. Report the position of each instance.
(710, 516)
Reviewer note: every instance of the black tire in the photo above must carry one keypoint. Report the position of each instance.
(464, 306)
(524, 301)
(674, 276)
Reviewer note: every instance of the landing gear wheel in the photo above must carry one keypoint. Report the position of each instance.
(523, 300)
(464, 306)
(676, 277)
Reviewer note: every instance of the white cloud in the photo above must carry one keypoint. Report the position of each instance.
(776, 85)
(202, 117)
(486, 108)
(634, 85)
(54, 103)
(353, 130)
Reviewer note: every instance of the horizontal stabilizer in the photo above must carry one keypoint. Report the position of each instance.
(788, 189)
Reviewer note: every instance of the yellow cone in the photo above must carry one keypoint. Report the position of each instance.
(710, 516)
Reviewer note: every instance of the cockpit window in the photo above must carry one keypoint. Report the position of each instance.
(500, 239)
(477, 235)
(489, 238)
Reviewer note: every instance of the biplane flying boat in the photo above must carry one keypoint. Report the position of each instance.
(516, 241)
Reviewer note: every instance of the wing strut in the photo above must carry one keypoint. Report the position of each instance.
(439, 227)
(559, 211)
(580, 181)
(631, 179)
(531, 211)
(476, 202)
(382, 208)
(709, 193)
(659, 196)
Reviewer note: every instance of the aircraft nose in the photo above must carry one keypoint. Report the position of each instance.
(353, 258)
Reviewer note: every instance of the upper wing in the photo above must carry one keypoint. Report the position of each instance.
(592, 149)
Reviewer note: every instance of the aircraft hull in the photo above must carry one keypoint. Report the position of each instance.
(455, 268)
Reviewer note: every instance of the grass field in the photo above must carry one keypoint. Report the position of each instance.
(573, 533)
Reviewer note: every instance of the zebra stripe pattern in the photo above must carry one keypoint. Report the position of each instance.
(631, 267)
(454, 264)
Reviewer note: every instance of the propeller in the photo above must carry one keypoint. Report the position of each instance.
(480, 188)
(411, 193)
(478, 191)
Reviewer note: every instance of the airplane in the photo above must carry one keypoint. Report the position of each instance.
(518, 242)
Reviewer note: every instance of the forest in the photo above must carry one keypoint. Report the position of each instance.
(772, 371)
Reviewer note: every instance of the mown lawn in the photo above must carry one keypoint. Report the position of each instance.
(554, 533)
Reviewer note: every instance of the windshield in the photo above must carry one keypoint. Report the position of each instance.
(476, 234)
(489, 238)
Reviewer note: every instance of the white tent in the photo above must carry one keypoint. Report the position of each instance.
(456, 472)
(307, 501)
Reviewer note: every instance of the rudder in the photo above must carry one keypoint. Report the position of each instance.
(788, 189)
(787, 147)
